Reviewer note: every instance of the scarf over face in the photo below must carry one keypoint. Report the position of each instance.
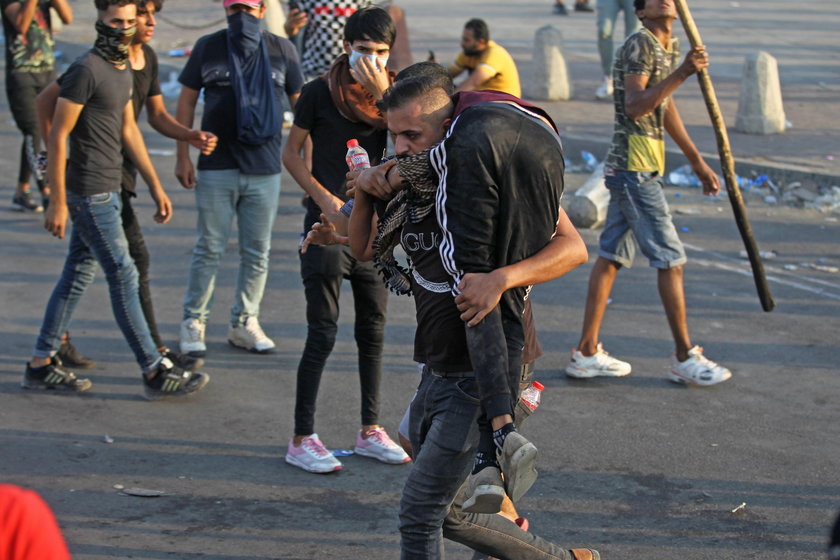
(257, 110)
(112, 42)
(354, 102)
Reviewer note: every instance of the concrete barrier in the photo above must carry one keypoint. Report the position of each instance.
(760, 109)
(588, 207)
(550, 77)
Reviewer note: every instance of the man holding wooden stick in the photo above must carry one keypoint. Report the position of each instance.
(646, 74)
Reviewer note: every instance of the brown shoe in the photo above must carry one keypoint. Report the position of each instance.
(585, 554)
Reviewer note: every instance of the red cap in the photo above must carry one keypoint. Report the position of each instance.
(251, 3)
(538, 386)
(352, 143)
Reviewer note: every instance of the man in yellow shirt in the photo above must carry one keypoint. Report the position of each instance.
(489, 65)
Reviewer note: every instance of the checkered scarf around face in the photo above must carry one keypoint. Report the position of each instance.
(413, 203)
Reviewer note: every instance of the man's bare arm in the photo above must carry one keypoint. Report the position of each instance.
(294, 162)
(45, 104)
(639, 100)
(64, 11)
(477, 77)
(163, 122)
(21, 14)
(185, 114)
(65, 118)
(135, 147)
(481, 292)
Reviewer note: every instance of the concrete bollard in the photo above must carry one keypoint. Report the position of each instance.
(588, 207)
(550, 77)
(760, 109)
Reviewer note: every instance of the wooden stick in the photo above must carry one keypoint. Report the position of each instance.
(727, 164)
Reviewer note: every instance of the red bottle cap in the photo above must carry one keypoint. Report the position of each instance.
(353, 143)
(538, 386)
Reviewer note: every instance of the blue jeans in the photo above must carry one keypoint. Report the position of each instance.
(607, 16)
(252, 199)
(638, 213)
(98, 236)
(444, 434)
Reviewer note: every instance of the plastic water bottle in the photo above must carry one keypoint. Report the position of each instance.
(531, 395)
(357, 157)
(590, 162)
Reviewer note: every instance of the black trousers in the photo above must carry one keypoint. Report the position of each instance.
(22, 106)
(140, 253)
(323, 270)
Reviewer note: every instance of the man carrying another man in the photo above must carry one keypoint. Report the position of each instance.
(486, 257)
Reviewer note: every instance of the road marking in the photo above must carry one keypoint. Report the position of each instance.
(797, 281)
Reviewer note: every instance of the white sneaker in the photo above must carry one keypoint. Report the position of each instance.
(250, 336)
(697, 370)
(599, 364)
(312, 456)
(380, 446)
(605, 90)
(192, 338)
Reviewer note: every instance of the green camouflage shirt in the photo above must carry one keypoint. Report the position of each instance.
(33, 52)
(640, 145)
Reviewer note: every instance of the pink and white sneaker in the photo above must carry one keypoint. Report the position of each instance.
(312, 456)
(380, 446)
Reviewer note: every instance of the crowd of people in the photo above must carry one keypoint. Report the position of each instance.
(471, 161)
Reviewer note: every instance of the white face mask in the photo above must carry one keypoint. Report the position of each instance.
(356, 56)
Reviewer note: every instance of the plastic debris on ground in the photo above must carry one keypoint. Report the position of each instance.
(143, 493)
(342, 452)
(179, 52)
(108, 439)
(763, 254)
(741, 507)
(687, 211)
(827, 202)
(683, 177)
(590, 162)
(823, 268)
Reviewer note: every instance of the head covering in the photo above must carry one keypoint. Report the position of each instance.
(251, 3)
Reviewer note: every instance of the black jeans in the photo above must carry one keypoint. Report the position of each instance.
(138, 251)
(444, 434)
(22, 106)
(323, 269)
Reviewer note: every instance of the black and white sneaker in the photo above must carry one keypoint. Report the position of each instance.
(53, 376)
(68, 355)
(183, 361)
(25, 202)
(170, 380)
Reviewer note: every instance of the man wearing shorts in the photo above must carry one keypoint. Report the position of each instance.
(646, 74)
